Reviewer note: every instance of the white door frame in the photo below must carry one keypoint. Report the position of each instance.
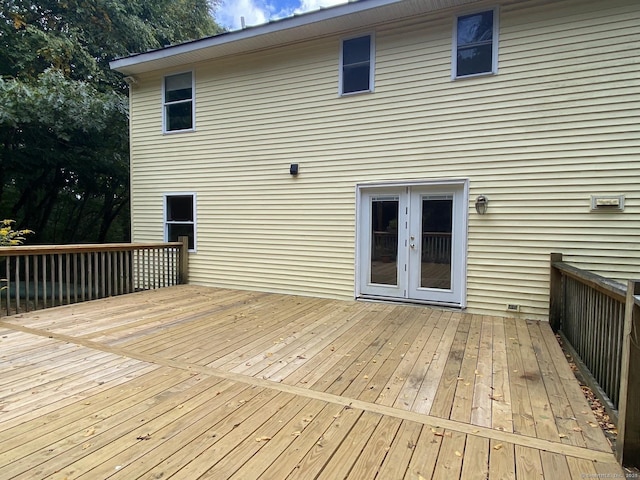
(460, 263)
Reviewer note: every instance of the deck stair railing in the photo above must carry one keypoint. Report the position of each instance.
(44, 276)
(598, 321)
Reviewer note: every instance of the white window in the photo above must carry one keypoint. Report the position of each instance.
(357, 65)
(475, 45)
(178, 102)
(180, 217)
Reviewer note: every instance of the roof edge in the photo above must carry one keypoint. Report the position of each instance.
(250, 32)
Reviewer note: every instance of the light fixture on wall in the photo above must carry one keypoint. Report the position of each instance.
(293, 169)
(482, 203)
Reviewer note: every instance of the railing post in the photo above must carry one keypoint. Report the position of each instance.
(628, 442)
(184, 259)
(556, 294)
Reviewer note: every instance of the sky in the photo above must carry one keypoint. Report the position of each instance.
(256, 12)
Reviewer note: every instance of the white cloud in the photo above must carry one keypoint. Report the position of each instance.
(229, 12)
(256, 12)
(308, 5)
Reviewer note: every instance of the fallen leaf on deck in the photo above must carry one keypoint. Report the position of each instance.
(577, 429)
(263, 439)
(498, 446)
(562, 435)
(458, 454)
(366, 377)
(86, 445)
(144, 437)
(90, 432)
(296, 434)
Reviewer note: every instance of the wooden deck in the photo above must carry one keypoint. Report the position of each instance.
(191, 382)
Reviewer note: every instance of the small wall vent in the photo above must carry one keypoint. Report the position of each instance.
(607, 203)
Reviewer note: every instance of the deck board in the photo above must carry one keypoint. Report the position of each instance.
(190, 382)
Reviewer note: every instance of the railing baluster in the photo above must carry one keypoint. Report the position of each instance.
(27, 282)
(67, 269)
(96, 274)
(17, 282)
(60, 280)
(36, 285)
(74, 272)
(8, 285)
(104, 274)
(127, 266)
(52, 276)
(44, 281)
(83, 278)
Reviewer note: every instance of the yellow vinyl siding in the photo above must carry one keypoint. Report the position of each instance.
(559, 123)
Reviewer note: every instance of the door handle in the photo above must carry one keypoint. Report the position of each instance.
(412, 245)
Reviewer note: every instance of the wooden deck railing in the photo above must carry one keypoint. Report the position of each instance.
(43, 276)
(436, 246)
(599, 323)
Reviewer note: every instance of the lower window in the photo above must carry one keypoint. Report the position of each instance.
(180, 217)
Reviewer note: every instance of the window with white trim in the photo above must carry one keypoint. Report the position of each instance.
(180, 217)
(475, 44)
(356, 65)
(178, 102)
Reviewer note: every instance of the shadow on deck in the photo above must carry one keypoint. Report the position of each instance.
(193, 382)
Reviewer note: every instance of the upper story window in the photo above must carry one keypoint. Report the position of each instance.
(356, 65)
(180, 217)
(178, 102)
(476, 44)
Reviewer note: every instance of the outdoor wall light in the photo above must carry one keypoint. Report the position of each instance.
(293, 169)
(482, 203)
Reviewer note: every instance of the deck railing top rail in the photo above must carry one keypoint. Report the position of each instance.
(20, 250)
(609, 287)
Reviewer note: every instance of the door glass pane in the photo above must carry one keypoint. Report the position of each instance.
(384, 240)
(435, 264)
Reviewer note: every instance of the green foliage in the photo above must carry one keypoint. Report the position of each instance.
(64, 153)
(10, 237)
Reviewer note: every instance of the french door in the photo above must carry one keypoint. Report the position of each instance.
(412, 242)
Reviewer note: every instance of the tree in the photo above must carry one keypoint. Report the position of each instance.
(63, 112)
(10, 237)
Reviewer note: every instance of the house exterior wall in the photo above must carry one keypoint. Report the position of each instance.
(557, 124)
